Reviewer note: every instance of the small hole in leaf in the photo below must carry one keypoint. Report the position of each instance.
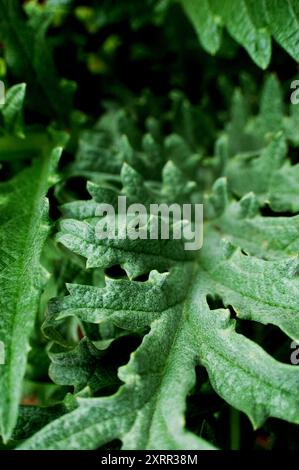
(266, 211)
(269, 337)
(76, 186)
(142, 278)
(293, 155)
(244, 252)
(214, 302)
(116, 272)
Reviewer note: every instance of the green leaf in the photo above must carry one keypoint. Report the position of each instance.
(247, 28)
(12, 111)
(205, 23)
(271, 107)
(248, 133)
(254, 173)
(259, 290)
(29, 57)
(165, 295)
(141, 412)
(283, 19)
(252, 24)
(284, 189)
(80, 367)
(147, 411)
(242, 372)
(32, 418)
(269, 175)
(24, 228)
(266, 237)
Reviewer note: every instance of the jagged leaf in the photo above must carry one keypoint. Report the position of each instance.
(252, 24)
(147, 410)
